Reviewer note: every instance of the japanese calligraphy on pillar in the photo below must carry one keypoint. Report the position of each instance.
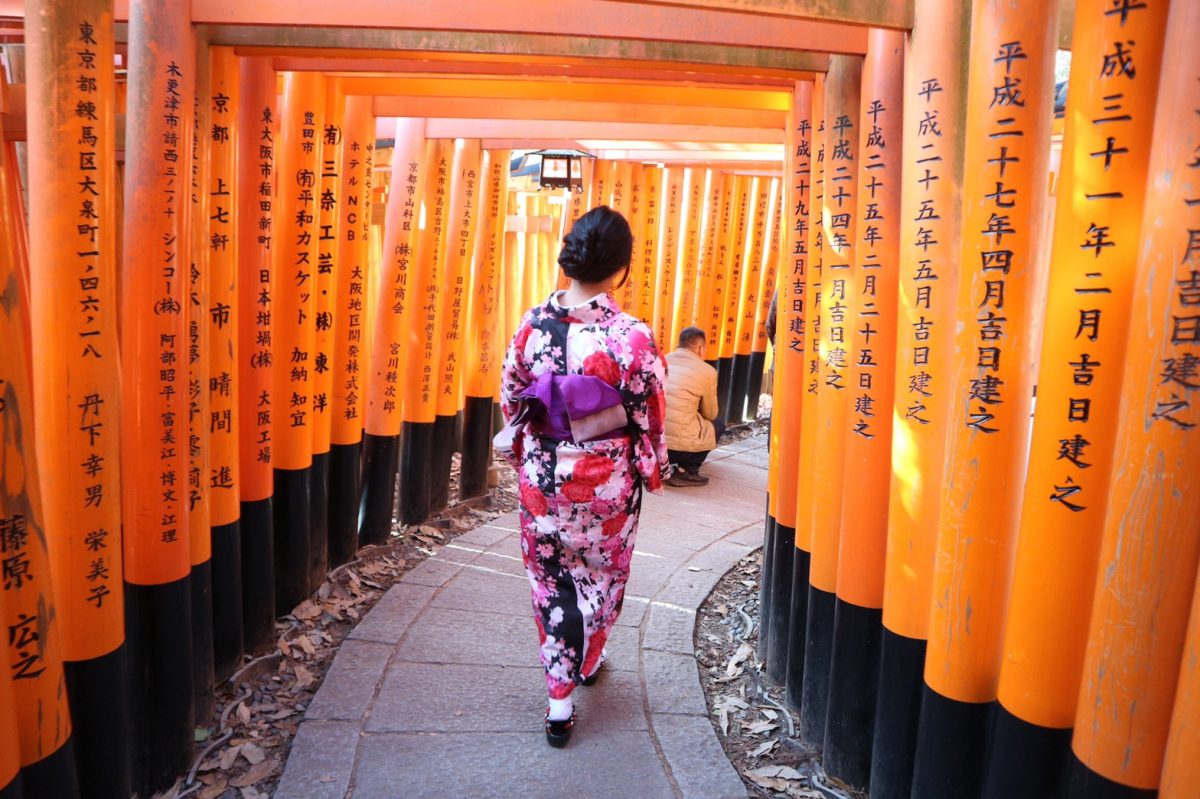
(651, 206)
(874, 308)
(841, 169)
(714, 314)
(75, 284)
(711, 198)
(221, 238)
(329, 222)
(668, 256)
(1113, 87)
(736, 255)
(357, 156)
(752, 270)
(255, 357)
(791, 310)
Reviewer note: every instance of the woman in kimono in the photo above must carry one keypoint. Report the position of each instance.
(580, 499)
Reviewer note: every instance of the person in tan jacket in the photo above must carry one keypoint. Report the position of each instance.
(692, 426)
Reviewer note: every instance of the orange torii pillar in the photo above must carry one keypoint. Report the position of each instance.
(706, 269)
(1180, 777)
(857, 626)
(38, 733)
(393, 336)
(295, 263)
(635, 202)
(1004, 202)
(1101, 189)
(822, 516)
(930, 220)
(735, 244)
(256, 197)
(710, 315)
(458, 227)
(154, 401)
(622, 198)
(199, 507)
(424, 336)
(219, 317)
(350, 347)
(767, 287)
(751, 249)
(1150, 546)
(10, 736)
(668, 257)
(689, 254)
(600, 188)
(73, 292)
(780, 556)
(484, 351)
(807, 381)
(646, 248)
(327, 278)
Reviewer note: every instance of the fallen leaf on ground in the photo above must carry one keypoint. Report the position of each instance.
(258, 773)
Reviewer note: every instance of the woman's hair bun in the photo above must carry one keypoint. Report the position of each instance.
(599, 245)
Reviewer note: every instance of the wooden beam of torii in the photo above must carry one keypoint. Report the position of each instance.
(608, 132)
(475, 108)
(563, 91)
(634, 71)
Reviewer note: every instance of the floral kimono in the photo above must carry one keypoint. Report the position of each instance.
(580, 502)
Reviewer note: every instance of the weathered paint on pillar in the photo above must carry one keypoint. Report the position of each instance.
(32, 645)
(1004, 205)
(255, 201)
(1101, 188)
(1180, 777)
(154, 396)
(935, 91)
(1151, 534)
(862, 542)
(841, 96)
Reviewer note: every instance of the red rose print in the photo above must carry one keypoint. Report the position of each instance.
(592, 470)
(578, 492)
(615, 524)
(600, 365)
(534, 500)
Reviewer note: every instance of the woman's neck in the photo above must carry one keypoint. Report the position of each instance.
(579, 292)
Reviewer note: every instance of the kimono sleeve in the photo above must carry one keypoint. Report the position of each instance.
(515, 376)
(647, 404)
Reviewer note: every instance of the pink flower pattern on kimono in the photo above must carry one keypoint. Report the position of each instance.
(580, 501)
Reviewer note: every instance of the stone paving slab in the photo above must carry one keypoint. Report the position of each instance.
(349, 686)
(321, 762)
(424, 697)
(438, 691)
(392, 614)
(510, 765)
(698, 763)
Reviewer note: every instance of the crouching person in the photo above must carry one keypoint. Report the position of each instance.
(692, 427)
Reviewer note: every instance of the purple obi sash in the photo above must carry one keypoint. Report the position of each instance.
(575, 408)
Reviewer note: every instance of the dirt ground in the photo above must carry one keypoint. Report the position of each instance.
(747, 710)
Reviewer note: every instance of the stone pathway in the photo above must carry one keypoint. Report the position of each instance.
(438, 692)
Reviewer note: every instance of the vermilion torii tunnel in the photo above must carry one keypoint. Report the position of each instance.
(260, 262)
